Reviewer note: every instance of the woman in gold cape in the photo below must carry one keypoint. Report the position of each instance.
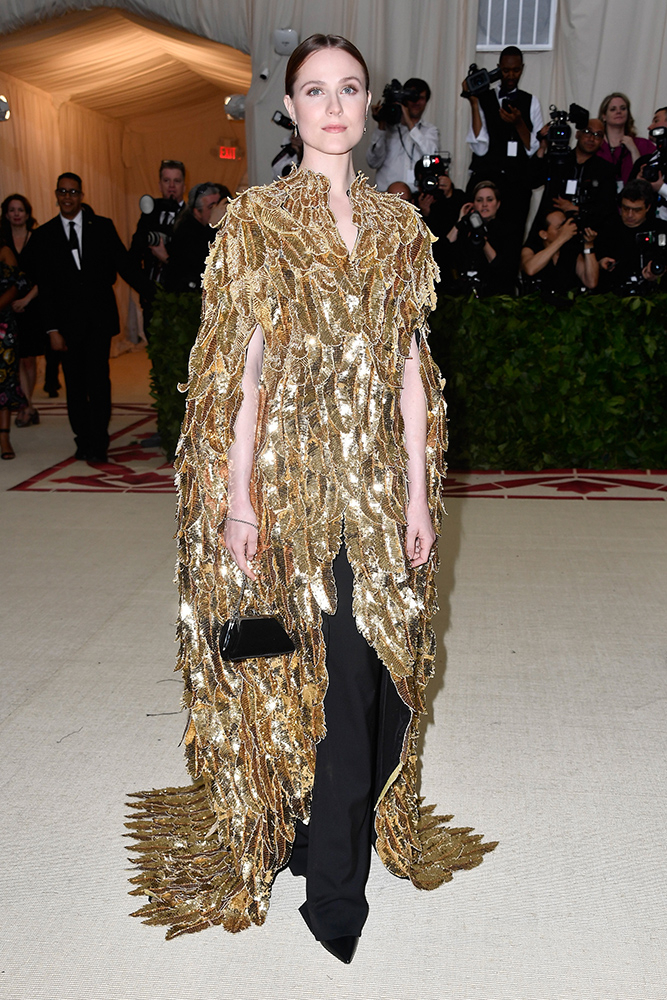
(315, 412)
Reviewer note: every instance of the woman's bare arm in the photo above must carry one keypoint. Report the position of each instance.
(240, 531)
(420, 535)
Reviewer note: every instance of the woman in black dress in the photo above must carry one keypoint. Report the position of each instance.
(12, 285)
(17, 225)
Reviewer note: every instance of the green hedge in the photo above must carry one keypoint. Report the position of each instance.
(530, 384)
(536, 384)
(172, 332)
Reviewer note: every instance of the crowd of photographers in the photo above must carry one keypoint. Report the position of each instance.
(601, 223)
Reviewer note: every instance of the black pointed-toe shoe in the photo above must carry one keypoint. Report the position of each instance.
(342, 948)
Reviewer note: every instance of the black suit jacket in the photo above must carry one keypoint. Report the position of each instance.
(79, 303)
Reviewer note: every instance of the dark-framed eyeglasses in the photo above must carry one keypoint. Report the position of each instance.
(588, 131)
(70, 191)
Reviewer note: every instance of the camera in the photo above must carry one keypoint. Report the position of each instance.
(170, 206)
(394, 96)
(652, 248)
(280, 119)
(472, 227)
(658, 165)
(429, 169)
(479, 80)
(154, 237)
(559, 134)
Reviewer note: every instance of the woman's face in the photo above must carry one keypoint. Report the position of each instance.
(330, 101)
(486, 203)
(617, 112)
(16, 213)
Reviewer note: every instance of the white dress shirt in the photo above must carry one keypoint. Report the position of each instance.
(78, 228)
(480, 144)
(394, 152)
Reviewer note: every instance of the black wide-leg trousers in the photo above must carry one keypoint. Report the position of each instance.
(86, 370)
(334, 850)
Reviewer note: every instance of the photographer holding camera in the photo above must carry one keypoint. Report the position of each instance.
(439, 203)
(401, 138)
(634, 253)
(575, 180)
(148, 249)
(503, 135)
(193, 235)
(291, 150)
(653, 166)
(557, 257)
(480, 246)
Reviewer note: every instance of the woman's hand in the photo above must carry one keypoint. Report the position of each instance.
(419, 535)
(631, 147)
(19, 305)
(240, 540)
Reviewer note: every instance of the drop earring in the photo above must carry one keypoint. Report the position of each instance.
(296, 129)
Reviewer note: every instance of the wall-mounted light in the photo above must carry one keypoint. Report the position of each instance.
(235, 107)
(5, 113)
(285, 40)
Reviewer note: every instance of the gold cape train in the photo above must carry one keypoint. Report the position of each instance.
(329, 462)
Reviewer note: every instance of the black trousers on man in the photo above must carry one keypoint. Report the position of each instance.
(86, 370)
(334, 850)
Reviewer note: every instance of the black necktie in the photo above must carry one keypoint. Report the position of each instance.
(74, 241)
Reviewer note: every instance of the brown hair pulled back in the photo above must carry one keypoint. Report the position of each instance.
(315, 43)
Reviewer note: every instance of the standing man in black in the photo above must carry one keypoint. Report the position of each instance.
(75, 259)
(503, 137)
(149, 248)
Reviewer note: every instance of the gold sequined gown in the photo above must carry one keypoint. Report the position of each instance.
(329, 457)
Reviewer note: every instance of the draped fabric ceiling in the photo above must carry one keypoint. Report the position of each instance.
(147, 90)
(111, 89)
(108, 94)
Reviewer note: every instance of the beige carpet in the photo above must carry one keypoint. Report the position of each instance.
(547, 732)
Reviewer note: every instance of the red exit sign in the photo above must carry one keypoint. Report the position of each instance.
(228, 152)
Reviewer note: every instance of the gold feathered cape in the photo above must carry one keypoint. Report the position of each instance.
(329, 454)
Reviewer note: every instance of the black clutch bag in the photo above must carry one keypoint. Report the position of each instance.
(245, 637)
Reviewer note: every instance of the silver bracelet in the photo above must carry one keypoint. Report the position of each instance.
(241, 521)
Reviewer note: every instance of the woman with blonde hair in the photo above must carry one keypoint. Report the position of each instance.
(622, 146)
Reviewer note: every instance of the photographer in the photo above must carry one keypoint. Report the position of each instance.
(557, 258)
(396, 147)
(193, 234)
(291, 150)
(439, 203)
(576, 181)
(479, 245)
(653, 166)
(502, 137)
(148, 247)
(634, 253)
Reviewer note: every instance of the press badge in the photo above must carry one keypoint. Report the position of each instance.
(571, 187)
(512, 148)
